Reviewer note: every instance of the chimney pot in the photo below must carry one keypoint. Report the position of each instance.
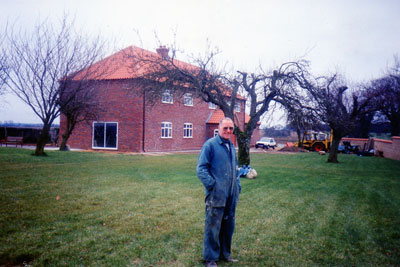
(163, 51)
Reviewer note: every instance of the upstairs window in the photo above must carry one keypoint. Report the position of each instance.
(167, 97)
(237, 107)
(166, 130)
(187, 130)
(105, 135)
(188, 99)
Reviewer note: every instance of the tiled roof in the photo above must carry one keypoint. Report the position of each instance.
(124, 65)
(217, 115)
(130, 63)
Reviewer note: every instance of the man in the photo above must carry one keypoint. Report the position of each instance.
(216, 169)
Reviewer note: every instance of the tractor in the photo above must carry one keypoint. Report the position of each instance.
(316, 141)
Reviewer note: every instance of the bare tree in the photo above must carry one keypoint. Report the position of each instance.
(261, 90)
(363, 124)
(2, 73)
(3, 65)
(215, 85)
(39, 60)
(386, 91)
(330, 101)
(79, 102)
(301, 119)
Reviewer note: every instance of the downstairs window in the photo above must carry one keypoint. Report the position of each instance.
(105, 135)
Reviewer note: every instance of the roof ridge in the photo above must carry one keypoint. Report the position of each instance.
(123, 61)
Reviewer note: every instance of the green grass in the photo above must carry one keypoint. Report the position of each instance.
(97, 209)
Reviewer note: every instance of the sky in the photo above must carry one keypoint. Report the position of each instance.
(357, 38)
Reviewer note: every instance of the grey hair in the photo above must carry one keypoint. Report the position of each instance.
(225, 119)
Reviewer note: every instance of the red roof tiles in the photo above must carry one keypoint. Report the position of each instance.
(134, 62)
(217, 115)
(125, 64)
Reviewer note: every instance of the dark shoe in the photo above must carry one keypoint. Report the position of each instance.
(210, 264)
(233, 260)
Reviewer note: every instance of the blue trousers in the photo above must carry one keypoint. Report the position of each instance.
(218, 231)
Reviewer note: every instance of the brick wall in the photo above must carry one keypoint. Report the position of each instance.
(210, 130)
(387, 148)
(139, 124)
(178, 114)
(120, 105)
(255, 137)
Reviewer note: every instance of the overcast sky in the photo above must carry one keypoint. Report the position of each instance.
(355, 37)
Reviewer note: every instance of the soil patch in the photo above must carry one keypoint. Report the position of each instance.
(292, 149)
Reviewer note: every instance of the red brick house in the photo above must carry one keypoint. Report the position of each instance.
(127, 124)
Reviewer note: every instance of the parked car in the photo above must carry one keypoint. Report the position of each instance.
(266, 142)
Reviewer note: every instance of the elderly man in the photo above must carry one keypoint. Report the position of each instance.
(216, 169)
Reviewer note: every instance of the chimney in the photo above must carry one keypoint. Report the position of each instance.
(163, 51)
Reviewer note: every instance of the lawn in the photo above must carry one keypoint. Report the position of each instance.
(102, 209)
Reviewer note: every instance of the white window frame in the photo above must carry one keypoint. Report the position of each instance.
(167, 97)
(188, 100)
(216, 132)
(166, 129)
(188, 130)
(105, 135)
(211, 105)
(237, 106)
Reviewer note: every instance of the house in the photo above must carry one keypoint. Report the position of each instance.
(127, 124)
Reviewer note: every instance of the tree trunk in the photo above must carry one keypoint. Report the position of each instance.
(65, 137)
(43, 138)
(299, 138)
(332, 158)
(63, 145)
(71, 122)
(244, 148)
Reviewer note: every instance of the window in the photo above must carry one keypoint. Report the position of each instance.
(187, 130)
(237, 107)
(166, 130)
(216, 131)
(105, 135)
(211, 105)
(167, 97)
(188, 99)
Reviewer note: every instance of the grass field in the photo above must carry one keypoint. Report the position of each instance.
(98, 209)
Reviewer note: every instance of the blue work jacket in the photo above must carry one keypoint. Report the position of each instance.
(217, 170)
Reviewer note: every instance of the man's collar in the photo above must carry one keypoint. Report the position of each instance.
(222, 140)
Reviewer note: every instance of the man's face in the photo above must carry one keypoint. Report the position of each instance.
(226, 129)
